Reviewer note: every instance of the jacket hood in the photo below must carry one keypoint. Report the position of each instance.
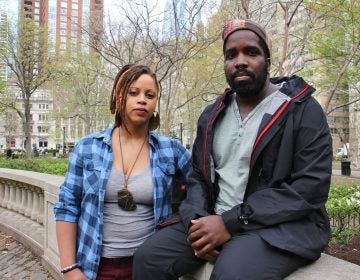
(292, 85)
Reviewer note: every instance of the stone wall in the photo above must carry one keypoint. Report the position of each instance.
(26, 209)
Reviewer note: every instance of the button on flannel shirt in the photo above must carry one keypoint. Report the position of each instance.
(81, 196)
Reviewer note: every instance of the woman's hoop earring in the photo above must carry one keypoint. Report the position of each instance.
(154, 121)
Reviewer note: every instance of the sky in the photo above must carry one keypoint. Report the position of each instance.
(111, 6)
(12, 6)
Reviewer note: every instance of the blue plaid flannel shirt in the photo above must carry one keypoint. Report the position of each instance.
(81, 196)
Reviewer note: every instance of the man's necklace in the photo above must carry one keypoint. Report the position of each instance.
(125, 197)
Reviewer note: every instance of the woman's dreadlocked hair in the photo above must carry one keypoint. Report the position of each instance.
(123, 80)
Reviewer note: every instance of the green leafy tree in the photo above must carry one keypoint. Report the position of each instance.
(335, 50)
(24, 51)
(335, 47)
(82, 93)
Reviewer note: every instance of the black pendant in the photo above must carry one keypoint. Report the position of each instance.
(126, 200)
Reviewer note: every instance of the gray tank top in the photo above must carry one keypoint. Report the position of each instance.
(124, 231)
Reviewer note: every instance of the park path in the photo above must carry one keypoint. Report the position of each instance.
(17, 262)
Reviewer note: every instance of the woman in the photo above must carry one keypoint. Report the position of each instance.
(119, 184)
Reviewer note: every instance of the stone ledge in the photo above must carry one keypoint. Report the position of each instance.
(326, 268)
(48, 182)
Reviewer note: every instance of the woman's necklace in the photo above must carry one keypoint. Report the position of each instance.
(125, 197)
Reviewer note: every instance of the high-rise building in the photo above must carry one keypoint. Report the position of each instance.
(8, 13)
(174, 18)
(3, 36)
(72, 24)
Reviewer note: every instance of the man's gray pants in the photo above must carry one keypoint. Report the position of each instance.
(168, 255)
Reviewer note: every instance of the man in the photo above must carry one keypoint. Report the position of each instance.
(261, 170)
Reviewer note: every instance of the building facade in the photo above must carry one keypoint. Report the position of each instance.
(42, 126)
(174, 18)
(72, 26)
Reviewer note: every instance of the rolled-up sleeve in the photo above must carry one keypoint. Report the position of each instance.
(67, 208)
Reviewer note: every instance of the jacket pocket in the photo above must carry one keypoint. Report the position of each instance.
(91, 175)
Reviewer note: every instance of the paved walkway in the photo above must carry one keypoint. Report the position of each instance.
(17, 262)
(354, 173)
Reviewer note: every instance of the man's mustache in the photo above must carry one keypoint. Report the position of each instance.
(242, 71)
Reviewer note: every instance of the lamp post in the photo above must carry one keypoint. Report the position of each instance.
(63, 144)
(181, 133)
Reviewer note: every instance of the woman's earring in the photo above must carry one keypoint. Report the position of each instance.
(154, 121)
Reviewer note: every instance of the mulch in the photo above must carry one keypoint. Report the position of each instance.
(349, 252)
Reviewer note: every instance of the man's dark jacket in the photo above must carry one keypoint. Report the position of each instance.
(289, 176)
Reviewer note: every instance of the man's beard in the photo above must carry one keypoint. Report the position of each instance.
(247, 89)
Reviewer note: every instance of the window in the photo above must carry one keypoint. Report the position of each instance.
(12, 143)
(42, 117)
(43, 144)
(63, 4)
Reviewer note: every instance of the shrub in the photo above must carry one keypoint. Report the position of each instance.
(55, 166)
(343, 207)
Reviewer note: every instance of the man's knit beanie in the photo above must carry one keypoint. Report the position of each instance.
(246, 24)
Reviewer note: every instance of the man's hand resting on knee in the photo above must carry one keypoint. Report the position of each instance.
(206, 234)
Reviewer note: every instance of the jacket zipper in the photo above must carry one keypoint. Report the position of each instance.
(212, 117)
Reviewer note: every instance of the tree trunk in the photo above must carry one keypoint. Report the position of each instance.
(27, 127)
(284, 50)
(87, 120)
